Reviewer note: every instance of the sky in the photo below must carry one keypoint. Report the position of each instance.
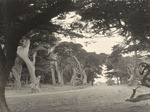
(98, 44)
(102, 45)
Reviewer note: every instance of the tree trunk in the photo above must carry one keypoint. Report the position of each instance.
(120, 80)
(3, 105)
(84, 77)
(17, 82)
(17, 68)
(52, 73)
(82, 72)
(6, 63)
(62, 79)
(16, 71)
(117, 80)
(22, 52)
(133, 75)
(73, 77)
(58, 72)
(26, 80)
(53, 76)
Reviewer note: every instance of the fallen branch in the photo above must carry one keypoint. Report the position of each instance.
(139, 98)
(134, 91)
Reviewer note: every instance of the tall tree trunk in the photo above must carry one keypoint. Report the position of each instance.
(11, 42)
(62, 79)
(3, 105)
(84, 77)
(17, 83)
(117, 80)
(22, 52)
(52, 73)
(58, 72)
(120, 80)
(53, 76)
(16, 71)
(73, 77)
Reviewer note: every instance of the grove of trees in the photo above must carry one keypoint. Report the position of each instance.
(27, 23)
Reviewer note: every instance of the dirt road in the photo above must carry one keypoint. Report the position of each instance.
(91, 99)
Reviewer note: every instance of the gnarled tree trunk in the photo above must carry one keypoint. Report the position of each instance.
(17, 68)
(22, 52)
(81, 71)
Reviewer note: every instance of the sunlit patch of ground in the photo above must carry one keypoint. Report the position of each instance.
(78, 99)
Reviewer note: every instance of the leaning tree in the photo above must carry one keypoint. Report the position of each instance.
(18, 17)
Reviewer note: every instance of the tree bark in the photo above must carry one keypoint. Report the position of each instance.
(17, 68)
(133, 71)
(52, 73)
(58, 72)
(16, 71)
(120, 80)
(73, 77)
(117, 80)
(84, 77)
(22, 52)
(132, 75)
(82, 72)
(11, 42)
(53, 77)
(27, 80)
(17, 81)
(62, 79)
(3, 105)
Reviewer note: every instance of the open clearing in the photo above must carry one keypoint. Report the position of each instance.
(77, 99)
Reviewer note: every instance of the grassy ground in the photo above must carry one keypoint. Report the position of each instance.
(77, 99)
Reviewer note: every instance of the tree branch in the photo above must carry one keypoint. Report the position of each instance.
(139, 98)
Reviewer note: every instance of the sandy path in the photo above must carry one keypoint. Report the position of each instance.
(45, 93)
(93, 99)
